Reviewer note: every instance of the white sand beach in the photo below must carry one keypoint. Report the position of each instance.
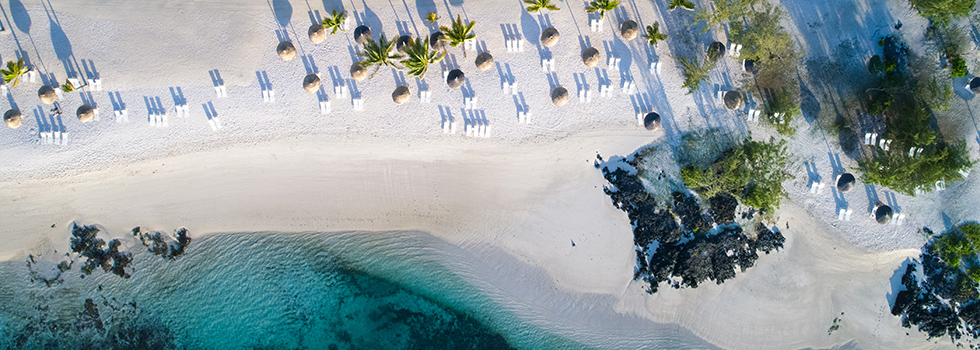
(516, 199)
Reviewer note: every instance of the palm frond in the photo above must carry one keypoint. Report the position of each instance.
(378, 54)
(458, 33)
(538, 5)
(602, 6)
(13, 72)
(419, 57)
(654, 35)
(335, 22)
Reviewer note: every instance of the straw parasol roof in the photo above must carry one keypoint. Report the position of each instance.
(484, 61)
(456, 78)
(317, 33)
(311, 83)
(845, 182)
(733, 99)
(559, 96)
(716, 51)
(402, 43)
(975, 85)
(47, 95)
(629, 30)
(590, 57)
(362, 34)
(358, 72)
(436, 42)
(13, 118)
(883, 213)
(651, 121)
(85, 113)
(401, 94)
(286, 50)
(549, 37)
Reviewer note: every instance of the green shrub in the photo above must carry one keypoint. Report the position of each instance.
(904, 174)
(941, 12)
(878, 102)
(951, 246)
(752, 171)
(695, 72)
(891, 65)
(974, 273)
(932, 92)
(958, 67)
(875, 65)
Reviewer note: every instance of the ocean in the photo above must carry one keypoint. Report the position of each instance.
(345, 290)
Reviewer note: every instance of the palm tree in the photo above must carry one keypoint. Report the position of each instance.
(684, 4)
(602, 6)
(335, 22)
(379, 54)
(419, 57)
(538, 5)
(654, 35)
(459, 33)
(14, 71)
(432, 17)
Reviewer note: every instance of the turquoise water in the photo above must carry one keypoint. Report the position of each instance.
(353, 290)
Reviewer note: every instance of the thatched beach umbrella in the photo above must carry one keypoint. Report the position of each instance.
(559, 96)
(845, 182)
(883, 213)
(85, 113)
(651, 121)
(590, 57)
(975, 85)
(317, 33)
(286, 51)
(13, 118)
(401, 94)
(716, 51)
(358, 72)
(436, 42)
(402, 43)
(362, 34)
(455, 79)
(311, 83)
(47, 95)
(733, 99)
(549, 37)
(629, 30)
(484, 61)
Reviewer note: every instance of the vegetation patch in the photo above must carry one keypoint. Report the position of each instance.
(919, 157)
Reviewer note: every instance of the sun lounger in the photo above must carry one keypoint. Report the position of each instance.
(820, 188)
(901, 218)
(840, 214)
(324, 107)
(813, 187)
(614, 63)
(213, 126)
(3, 90)
(32, 76)
(721, 96)
(469, 102)
(604, 90)
(452, 127)
(522, 117)
(217, 122)
(867, 140)
(94, 84)
(847, 214)
(221, 91)
(629, 87)
(358, 104)
(469, 44)
(95, 112)
(64, 139)
(469, 130)
(75, 83)
(548, 65)
(595, 25)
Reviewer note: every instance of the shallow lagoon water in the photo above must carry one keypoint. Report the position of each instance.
(352, 290)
